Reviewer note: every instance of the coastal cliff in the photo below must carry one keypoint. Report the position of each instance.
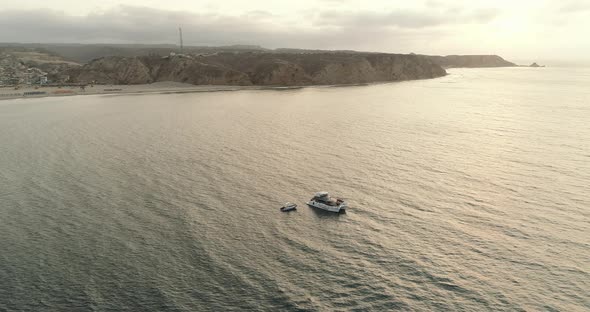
(230, 65)
(252, 68)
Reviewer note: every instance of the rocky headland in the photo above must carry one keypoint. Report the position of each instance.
(470, 61)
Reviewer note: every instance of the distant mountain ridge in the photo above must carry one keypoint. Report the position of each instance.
(84, 53)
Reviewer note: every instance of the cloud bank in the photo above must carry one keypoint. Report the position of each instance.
(512, 29)
(325, 29)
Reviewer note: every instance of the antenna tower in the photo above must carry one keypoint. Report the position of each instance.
(180, 34)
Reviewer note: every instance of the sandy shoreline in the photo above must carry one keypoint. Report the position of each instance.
(159, 87)
(27, 92)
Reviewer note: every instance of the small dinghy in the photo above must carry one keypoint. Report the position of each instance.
(288, 207)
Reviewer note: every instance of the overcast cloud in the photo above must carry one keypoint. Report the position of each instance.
(524, 29)
(404, 18)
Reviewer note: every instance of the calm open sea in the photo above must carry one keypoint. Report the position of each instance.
(468, 192)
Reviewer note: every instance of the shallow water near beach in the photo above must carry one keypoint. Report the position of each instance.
(467, 192)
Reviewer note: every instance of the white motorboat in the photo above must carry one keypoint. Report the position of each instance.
(288, 207)
(322, 200)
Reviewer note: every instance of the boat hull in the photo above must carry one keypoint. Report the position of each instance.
(325, 207)
(289, 207)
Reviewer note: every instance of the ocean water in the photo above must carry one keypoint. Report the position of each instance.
(469, 192)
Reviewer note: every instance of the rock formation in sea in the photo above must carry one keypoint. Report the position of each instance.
(259, 68)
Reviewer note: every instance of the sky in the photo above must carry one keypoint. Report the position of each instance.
(527, 30)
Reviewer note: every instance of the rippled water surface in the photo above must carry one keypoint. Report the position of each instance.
(468, 192)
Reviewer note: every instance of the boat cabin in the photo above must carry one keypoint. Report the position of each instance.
(324, 197)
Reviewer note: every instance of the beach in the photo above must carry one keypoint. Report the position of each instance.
(158, 87)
